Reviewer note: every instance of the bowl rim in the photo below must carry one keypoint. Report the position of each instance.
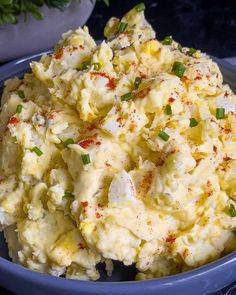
(45, 279)
(21, 65)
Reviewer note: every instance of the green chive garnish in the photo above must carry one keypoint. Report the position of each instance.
(178, 69)
(164, 136)
(167, 40)
(180, 47)
(193, 122)
(37, 151)
(140, 7)
(126, 96)
(19, 109)
(168, 109)
(192, 51)
(97, 66)
(85, 65)
(21, 94)
(232, 210)
(68, 141)
(220, 113)
(137, 82)
(85, 159)
(68, 195)
(122, 27)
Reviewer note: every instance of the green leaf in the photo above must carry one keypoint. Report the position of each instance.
(122, 27)
(164, 136)
(137, 82)
(21, 94)
(69, 195)
(5, 2)
(85, 159)
(167, 40)
(140, 7)
(232, 210)
(126, 96)
(193, 122)
(38, 3)
(68, 142)
(9, 19)
(106, 2)
(191, 51)
(220, 113)
(60, 4)
(180, 48)
(178, 69)
(36, 14)
(10, 9)
(97, 66)
(19, 109)
(168, 110)
(37, 151)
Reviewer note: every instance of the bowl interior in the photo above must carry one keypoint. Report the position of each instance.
(121, 272)
(18, 68)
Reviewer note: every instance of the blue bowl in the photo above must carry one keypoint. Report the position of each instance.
(203, 280)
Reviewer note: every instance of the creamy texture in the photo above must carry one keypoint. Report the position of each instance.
(86, 175)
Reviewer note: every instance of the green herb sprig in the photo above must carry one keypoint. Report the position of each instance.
(10, 10)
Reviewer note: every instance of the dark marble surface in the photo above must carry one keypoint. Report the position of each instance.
(209, 25)
(205, 24)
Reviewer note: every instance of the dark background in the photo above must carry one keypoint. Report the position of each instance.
(209, 25)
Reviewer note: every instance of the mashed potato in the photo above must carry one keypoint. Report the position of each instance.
(124, 151)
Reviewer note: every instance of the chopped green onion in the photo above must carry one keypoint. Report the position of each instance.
(126, 96)
(21, 94)
(19, 109)
(97, 66)
(178, 69)
(68, 141)
(164, 136)
(167, 40)
(168, 109)
(220, 113)
(137, 82)
(193, 122)
(192, 51)
(122, 27)
(107, 2)
(232, 210)
(86, 65)
(37, 151)
(140, 7)
(68, 195)
(85, 159)
(180, 47)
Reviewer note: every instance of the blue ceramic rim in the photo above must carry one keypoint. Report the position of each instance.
(19, 66)
(46, 279)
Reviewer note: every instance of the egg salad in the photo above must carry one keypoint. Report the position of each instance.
(123, 151)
